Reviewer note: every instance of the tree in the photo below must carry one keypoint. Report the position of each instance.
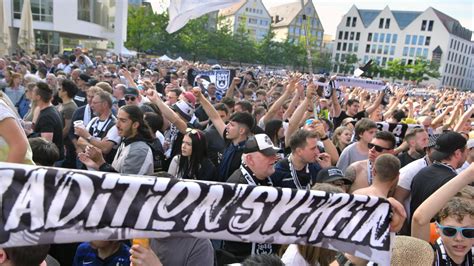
(347, 65)
(422, 70)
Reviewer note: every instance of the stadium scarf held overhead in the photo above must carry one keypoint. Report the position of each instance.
(52, 205)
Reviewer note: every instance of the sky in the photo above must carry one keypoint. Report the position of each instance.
(331, 11)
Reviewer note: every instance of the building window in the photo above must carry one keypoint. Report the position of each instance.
(336, 57)
(414, 39)
(421, 40)
(339, 37)
(394, 38)
(376, 37)
(354, 21)
(405, 51)
(412, 51)
(381, 23)
(451, 44)
(366, 58)
(373, 49)
(418, 52)
(349, 48)
(369, 37)
(423, 25)
(430, 25)
(351, 36)
(382, 37)
(427, 41)
(42, 10)
(387, 37)
(384, 61)
(94, 11)
(357, 36)
(348, 22)
(387, 23)
(385, 49)
(392, 50)
(367, 48)
(346, 35)
(407, 39)
(344, 46)
(379, 49)
(356, 47)
(338, 48)
(252, 21)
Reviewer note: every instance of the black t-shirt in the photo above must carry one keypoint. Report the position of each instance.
(49, 120)
(427, 181)
(338, 120)
(80, 98)
(405, 159)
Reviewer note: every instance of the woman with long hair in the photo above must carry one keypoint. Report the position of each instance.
(15, 90)
(193, 162)
(274, 129)
(342, 138)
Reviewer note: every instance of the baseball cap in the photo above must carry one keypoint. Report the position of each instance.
(447, 144)
(261, 143)
(131, 91)
(243, 118)
(84, 77)
(331, 174)
(190, 97)
(184, 109)
(92, 82)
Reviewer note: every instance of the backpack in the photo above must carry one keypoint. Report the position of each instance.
(158, 155)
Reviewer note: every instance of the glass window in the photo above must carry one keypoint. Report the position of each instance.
(382, 37)
(366, 58)
(392, 50)
(405, 51)
(379, 49)
(376, 37)
(351, 36)
(425, 52)
(338, 48)
(354, 21)
(418, 51)
(384, 61)
(412, 51)
(427, 41)
(336, 57)
(381, 23)
(385, 49)
(387, 37)
(367, 48)
(348, 21)
(369, 37)
(394, 38)
(387, 23)
(339, 37)
(407, 39)
(42, 10)
(430, 25)
(346, 35)
(421, 40)
(344, 46)
(423, 25)
(356, 47)
(96, 11)
(357, 36)
(413, 40)
(373, 49)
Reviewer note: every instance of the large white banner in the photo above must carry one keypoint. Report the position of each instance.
(52, 205)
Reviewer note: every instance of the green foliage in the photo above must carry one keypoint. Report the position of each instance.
(421, 70)
(197, 41)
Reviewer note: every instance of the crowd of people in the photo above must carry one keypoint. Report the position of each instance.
(146, 117)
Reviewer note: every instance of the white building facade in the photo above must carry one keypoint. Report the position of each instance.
(385, 35)
(251, 14)
(59, 23)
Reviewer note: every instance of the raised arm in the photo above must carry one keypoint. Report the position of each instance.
(230, 91)
(295, 119)
(210, 111)
(464, 118)
(420, 226)
(167, 112)
(376, 103)
(335, 103)
(279, 103)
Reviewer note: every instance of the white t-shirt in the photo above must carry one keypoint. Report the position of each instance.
(463, 167)
(406, 177)
(292, 257)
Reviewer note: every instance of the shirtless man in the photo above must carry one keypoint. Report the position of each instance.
(382, 143)
(385, 172)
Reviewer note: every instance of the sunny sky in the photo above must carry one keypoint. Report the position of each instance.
(331, 11)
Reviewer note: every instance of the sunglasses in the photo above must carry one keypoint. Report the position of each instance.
(130, 98)
(377, 147)
(451, 231)
(193, 132)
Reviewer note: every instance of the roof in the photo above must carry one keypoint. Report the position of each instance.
(404, 18)
(367, 16)
(285, 12)
(437, 50)
(232, 9)
(453, 26)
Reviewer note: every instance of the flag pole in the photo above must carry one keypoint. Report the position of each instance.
(309, 57)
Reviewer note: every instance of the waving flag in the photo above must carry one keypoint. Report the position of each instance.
(181, 11)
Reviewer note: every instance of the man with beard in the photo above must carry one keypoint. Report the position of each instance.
(417, 141)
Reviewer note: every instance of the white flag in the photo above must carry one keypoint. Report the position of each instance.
(181, 11)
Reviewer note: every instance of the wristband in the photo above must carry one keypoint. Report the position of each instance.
(325, 138)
